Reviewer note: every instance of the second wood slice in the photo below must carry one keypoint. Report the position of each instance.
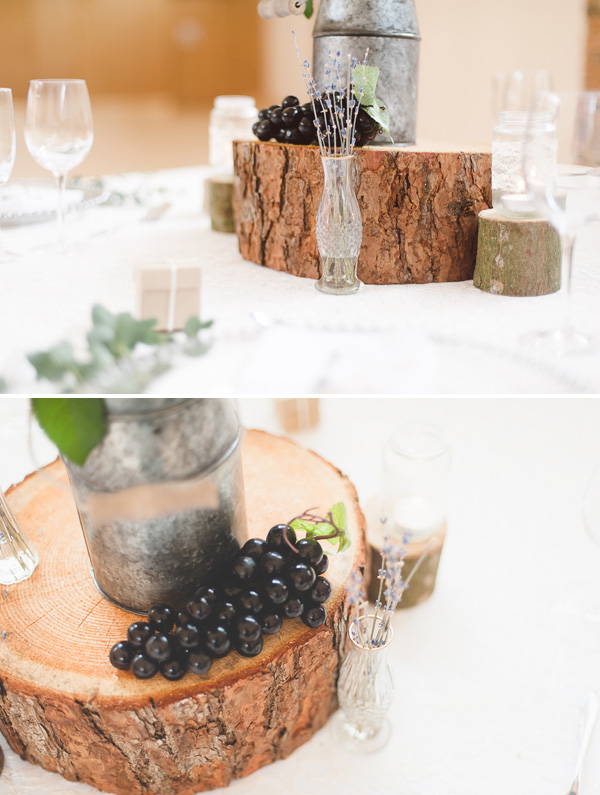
(64, 707)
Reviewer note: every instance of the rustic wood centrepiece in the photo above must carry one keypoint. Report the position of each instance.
(419, 209)
(64, 707)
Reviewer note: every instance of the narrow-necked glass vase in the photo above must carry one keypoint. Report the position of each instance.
(17, 559)
(366, 687)
(339, 227)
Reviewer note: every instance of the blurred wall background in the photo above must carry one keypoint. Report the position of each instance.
(179, 54)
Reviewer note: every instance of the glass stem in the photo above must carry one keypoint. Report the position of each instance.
(568, 243)
(61, 180)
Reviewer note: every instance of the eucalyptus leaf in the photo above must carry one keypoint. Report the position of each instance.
(102, 317)
(365, 78)
(308, 9)
(193, 325)
(75, 425)
(54, 363)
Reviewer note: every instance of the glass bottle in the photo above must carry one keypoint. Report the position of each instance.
(230, 119)
(339, 227)
(365, 688)
(17, 559)
(509, 192)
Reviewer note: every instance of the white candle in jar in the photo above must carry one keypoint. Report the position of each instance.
(417, 516)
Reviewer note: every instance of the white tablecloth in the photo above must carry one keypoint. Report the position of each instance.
(437, 338)
(491, 671)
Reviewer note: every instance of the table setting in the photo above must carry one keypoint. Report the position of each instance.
(446, 259)
(489, 665)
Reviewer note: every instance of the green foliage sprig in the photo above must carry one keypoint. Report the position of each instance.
(333, 527)
(308, 9)
(111, 343)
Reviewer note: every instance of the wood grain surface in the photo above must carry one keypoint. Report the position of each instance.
(64, 707)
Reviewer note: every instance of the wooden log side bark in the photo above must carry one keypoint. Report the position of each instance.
(419, 210)
(64, 707)
(517, 256)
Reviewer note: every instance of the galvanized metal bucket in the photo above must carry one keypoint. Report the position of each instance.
(161, 498)
(389, 29)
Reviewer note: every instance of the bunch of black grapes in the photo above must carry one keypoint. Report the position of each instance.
(293, 123)
(267, 582)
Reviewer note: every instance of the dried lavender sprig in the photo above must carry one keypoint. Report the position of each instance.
(405, 583)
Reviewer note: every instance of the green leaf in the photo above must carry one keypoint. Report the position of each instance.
(303, 526)
(102, 317)
(193, 325)
(365, 81)
(380, 114)
(54, 363)
(344, 543)
(308, 9)
(339, 516)
(75, 425)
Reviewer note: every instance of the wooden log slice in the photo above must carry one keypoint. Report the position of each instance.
(517, 256)
(64, 707)
(419, 210)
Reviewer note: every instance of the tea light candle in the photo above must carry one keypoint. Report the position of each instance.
(417, 516)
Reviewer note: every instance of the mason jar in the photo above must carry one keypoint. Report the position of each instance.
(231, 119)
(161, 498)
(509, 191)
(416, 467)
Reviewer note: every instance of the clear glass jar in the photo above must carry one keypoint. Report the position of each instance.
(416, 466)
(509, 192)
(231, 118)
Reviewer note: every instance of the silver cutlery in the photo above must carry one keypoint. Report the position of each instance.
(588, 720)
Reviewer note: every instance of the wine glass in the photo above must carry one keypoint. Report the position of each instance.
(7, 151)
(59, 132)
(565, 190)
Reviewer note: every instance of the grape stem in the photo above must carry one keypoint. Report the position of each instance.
(313, 518)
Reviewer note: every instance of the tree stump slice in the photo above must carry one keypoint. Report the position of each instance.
(220, 203)
(419, 210)
(517, 256)
(65, 708)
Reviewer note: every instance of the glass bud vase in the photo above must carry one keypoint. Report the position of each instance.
(17, 559)
(365, 688)
(339, 227)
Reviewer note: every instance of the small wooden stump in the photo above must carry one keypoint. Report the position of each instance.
(220, 203)
(517, 256)
(64, 707)
(419, 210)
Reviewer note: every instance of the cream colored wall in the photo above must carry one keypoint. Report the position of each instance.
(463, 43)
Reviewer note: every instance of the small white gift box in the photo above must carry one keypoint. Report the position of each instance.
(168, 291)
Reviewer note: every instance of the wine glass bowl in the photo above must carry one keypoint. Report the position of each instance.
(59, 130)
(565, 190)
(7, 150)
